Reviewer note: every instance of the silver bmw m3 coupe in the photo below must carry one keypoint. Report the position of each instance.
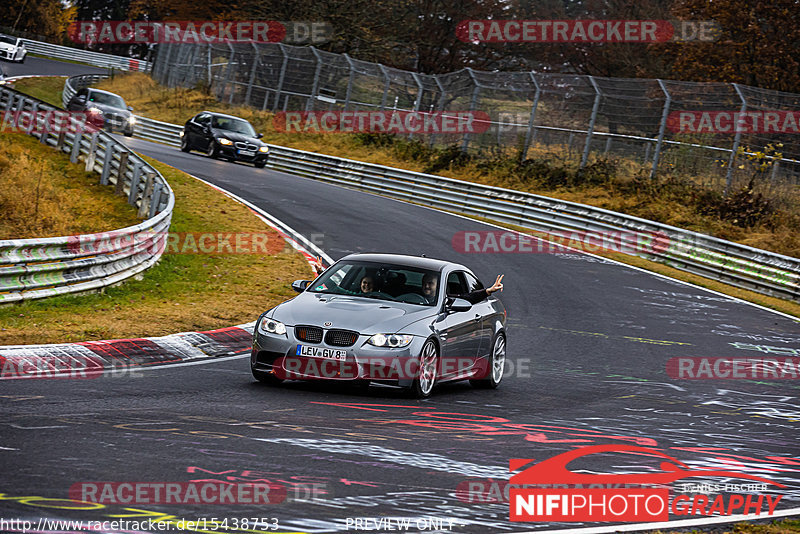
(408, 321)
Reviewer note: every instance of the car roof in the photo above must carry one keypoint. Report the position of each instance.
(92, 89)
(401, 259)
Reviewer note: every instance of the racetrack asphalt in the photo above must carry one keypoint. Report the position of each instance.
(588, 345)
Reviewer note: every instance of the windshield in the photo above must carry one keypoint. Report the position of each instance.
(107, 100)
(233, 125)
(9, 40)
(381, 281)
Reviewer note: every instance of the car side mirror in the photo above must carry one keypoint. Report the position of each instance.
(457, 305)
(300, 285)
(259, 136)
(130, 108)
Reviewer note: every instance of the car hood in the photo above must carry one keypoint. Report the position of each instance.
(106, 109)
(7, 46)
(234, 136)
(364, 315)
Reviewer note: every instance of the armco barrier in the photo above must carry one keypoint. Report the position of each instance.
(738, 265)
(96, 59)
(37, 268)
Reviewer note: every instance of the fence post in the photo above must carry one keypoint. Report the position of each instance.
(532, 117)
(592, 120)
(443, 95)
(148, 191)
(736, 140)
(473, 103)
(349, 91)
(418, 101)
(385, 86)
(661, 129)
(315, 86)
(281, 77)
(107, 159)
(123, 164)
(92, 154)
(252, 75)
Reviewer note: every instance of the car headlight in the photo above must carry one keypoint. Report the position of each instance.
(271, 326)
(131, 120)
(181, 134)
(264, 149)
(224, 141)
(390, 340)
(95, 110)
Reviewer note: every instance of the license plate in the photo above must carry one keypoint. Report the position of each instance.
(321, 352)
(248, 153)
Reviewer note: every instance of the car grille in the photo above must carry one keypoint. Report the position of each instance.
(341, 338)
(241, 145)
(309, 334)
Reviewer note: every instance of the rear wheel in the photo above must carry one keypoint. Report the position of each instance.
(422, 386)
(266, 378)
(497, 365)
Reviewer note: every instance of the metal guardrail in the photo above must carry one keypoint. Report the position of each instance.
(738, 265)
(96, 59)
(38, 268)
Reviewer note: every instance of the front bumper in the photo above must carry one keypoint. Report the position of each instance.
(231, 152)
(276, 354)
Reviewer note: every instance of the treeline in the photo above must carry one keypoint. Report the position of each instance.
(758, 42)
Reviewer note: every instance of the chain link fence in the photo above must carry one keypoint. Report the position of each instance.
(563, 116)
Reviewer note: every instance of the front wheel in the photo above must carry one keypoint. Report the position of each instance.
(185, 143)
(422, 386)
(260, 164)
(497, 365)
(213, 151)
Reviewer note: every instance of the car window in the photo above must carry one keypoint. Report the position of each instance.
(397, 283)
(455, 284)
(233, 125)
(7, 39)
(473, 284)
(203, 118)
(107, 99)
(82, 92)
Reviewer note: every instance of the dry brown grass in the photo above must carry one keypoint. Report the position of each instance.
(43, 195)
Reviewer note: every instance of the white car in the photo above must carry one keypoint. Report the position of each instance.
(12, 49)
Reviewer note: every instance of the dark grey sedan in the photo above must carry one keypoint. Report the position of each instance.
(400, 320)
(106, 110)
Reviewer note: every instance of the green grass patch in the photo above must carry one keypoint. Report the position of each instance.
(48, 89)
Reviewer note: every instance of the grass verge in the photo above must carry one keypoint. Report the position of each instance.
(183, 292)
(48, 88)
(44, 195)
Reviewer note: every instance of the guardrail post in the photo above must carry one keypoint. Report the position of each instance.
(595, 109)
(473, 104)
(155, 198)
(119, 187)
(77, 137)
(134, 191)
(350, 77)
(736, 140)
(91, 155)
(529, 133)
(281, 77)
(315, 85)
(32, 122)
(252, 76)
(385, 86)
(661, 129)
(107, 159)
(148, 192)
(62, 136)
